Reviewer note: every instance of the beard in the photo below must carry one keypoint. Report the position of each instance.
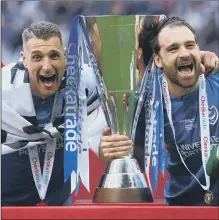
(174, 76)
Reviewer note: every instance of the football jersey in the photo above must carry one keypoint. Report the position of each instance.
(181, 187)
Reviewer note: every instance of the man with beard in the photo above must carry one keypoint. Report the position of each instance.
(189, 136)
(144, 51)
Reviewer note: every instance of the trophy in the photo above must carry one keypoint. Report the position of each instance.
(114, 46)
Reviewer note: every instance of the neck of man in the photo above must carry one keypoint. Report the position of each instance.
(141, 69)
(141, 72)
(179, 91)
(36, 94)
(40, 96)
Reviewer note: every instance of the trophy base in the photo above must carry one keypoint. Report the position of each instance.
(123, 195)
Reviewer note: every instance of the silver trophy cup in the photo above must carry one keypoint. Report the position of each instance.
(122, 181)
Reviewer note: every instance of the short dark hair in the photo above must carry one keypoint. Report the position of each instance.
(145, 36)
(148, 37)
(42, 30)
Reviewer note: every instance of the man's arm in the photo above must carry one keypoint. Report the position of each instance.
(96, 123)
(210, 62)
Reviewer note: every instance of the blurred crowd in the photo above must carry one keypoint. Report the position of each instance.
(16, 15)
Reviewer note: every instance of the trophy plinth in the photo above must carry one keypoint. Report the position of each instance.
(123, 182)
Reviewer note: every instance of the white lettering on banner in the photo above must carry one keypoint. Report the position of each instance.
(71, 121)
(71, 81)
(71, 102)
(71, 135)
(74, 66)
(70, 146)
(70, 124)
(154, 147)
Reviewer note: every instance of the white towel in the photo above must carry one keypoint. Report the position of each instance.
(19, 128)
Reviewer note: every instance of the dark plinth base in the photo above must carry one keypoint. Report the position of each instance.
(122, 195)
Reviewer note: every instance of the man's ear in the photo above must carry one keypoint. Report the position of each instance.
(22, 55)
(157, 60)
(139, 53)
(65, 54)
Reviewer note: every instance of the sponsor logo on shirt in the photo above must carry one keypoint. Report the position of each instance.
(189, 150)
(213, 115)
(189, 123)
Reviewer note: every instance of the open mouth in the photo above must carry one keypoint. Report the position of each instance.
(185, 69)
(48, 80)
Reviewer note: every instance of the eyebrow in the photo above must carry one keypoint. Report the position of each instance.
(55, 52)
(172, 45)
(50, 52)
(176, 44)
(190, 41)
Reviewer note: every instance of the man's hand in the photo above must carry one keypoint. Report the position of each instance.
(113, 146)
(209, 62)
